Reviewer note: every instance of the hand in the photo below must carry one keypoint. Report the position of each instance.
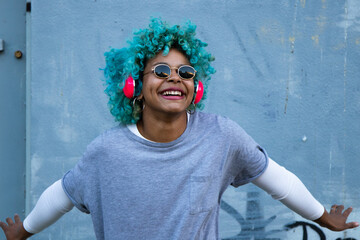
(14, 230)
(336, 219)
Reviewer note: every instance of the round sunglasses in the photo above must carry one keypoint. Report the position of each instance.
(162, 70)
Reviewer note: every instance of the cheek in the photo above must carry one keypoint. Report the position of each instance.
(149, 87)
(191, 88)
(145, 90)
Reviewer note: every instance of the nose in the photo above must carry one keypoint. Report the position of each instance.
(174, 76)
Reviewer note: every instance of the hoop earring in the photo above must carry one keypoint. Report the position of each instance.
(192, 108)
(140, 104)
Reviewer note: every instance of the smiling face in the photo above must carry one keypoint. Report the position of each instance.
(172, 95)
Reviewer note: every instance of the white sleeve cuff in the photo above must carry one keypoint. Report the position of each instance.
(52, 204)
(286, 187)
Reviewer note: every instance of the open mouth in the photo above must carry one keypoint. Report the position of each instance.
(172, 93)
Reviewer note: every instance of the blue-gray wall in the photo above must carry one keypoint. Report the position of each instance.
(12, 109)
(287, 71)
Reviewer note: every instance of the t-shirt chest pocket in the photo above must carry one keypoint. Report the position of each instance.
(204, 193)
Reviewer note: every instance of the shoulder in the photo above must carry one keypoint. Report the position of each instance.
(217, 126)
(205, 117)
(221, 123)
(105, 139)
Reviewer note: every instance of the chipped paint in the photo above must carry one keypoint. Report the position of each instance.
(315, 38)
(272, 31)
(292, 40)
(303, 3)
(323, 4)
(321, 21)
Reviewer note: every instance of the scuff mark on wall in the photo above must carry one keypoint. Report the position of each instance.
(345, 54)
(253, 66)
(351, 17)
(323, 5)
(291, 58)
(272, 31)
(36, 164)
(227, 74)
(303, 3)
(321, 22)
(315, 38)
(263, 51)
(292, 46)
(292, 42)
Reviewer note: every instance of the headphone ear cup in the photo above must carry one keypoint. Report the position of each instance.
(129, 87)
(199, 92)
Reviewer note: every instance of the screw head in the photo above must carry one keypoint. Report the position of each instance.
(18, 54)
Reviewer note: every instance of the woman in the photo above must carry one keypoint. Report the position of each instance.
(161, 173)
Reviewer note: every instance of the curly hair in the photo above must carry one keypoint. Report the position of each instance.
(146, 43)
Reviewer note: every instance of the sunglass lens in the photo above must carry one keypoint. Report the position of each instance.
(186, 72)
(162, 71)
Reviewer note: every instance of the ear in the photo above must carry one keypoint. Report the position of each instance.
(141, 96)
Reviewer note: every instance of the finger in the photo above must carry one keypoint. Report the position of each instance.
(333, 208)
(347, 212)
(3, 225)
(17, 218)
(9, 221)
(352, 224)
(339, 209)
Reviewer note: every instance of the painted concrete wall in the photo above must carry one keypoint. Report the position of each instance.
(287, 71)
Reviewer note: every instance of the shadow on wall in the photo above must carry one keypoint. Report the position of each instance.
(253, 226)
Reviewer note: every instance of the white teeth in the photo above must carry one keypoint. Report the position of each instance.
(172, 93)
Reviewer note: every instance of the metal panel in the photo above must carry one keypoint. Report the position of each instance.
(12, 109)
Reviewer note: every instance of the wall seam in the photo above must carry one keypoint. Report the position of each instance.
(28, 111)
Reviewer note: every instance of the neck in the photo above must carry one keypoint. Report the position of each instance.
(162, 127)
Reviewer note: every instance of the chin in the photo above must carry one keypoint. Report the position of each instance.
(175, 109)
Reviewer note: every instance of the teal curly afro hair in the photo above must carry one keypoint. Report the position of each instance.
(146, 43)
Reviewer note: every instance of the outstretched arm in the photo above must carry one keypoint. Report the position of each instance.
(52, 204)
(286, 187)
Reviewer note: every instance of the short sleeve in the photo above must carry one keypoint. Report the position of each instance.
(72, 184)
(78, 183)
(248, 160)
(253, 165)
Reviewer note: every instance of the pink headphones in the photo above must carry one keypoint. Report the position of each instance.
(129, 89)
(199, 92)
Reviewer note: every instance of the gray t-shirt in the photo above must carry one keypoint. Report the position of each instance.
(137, 189)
